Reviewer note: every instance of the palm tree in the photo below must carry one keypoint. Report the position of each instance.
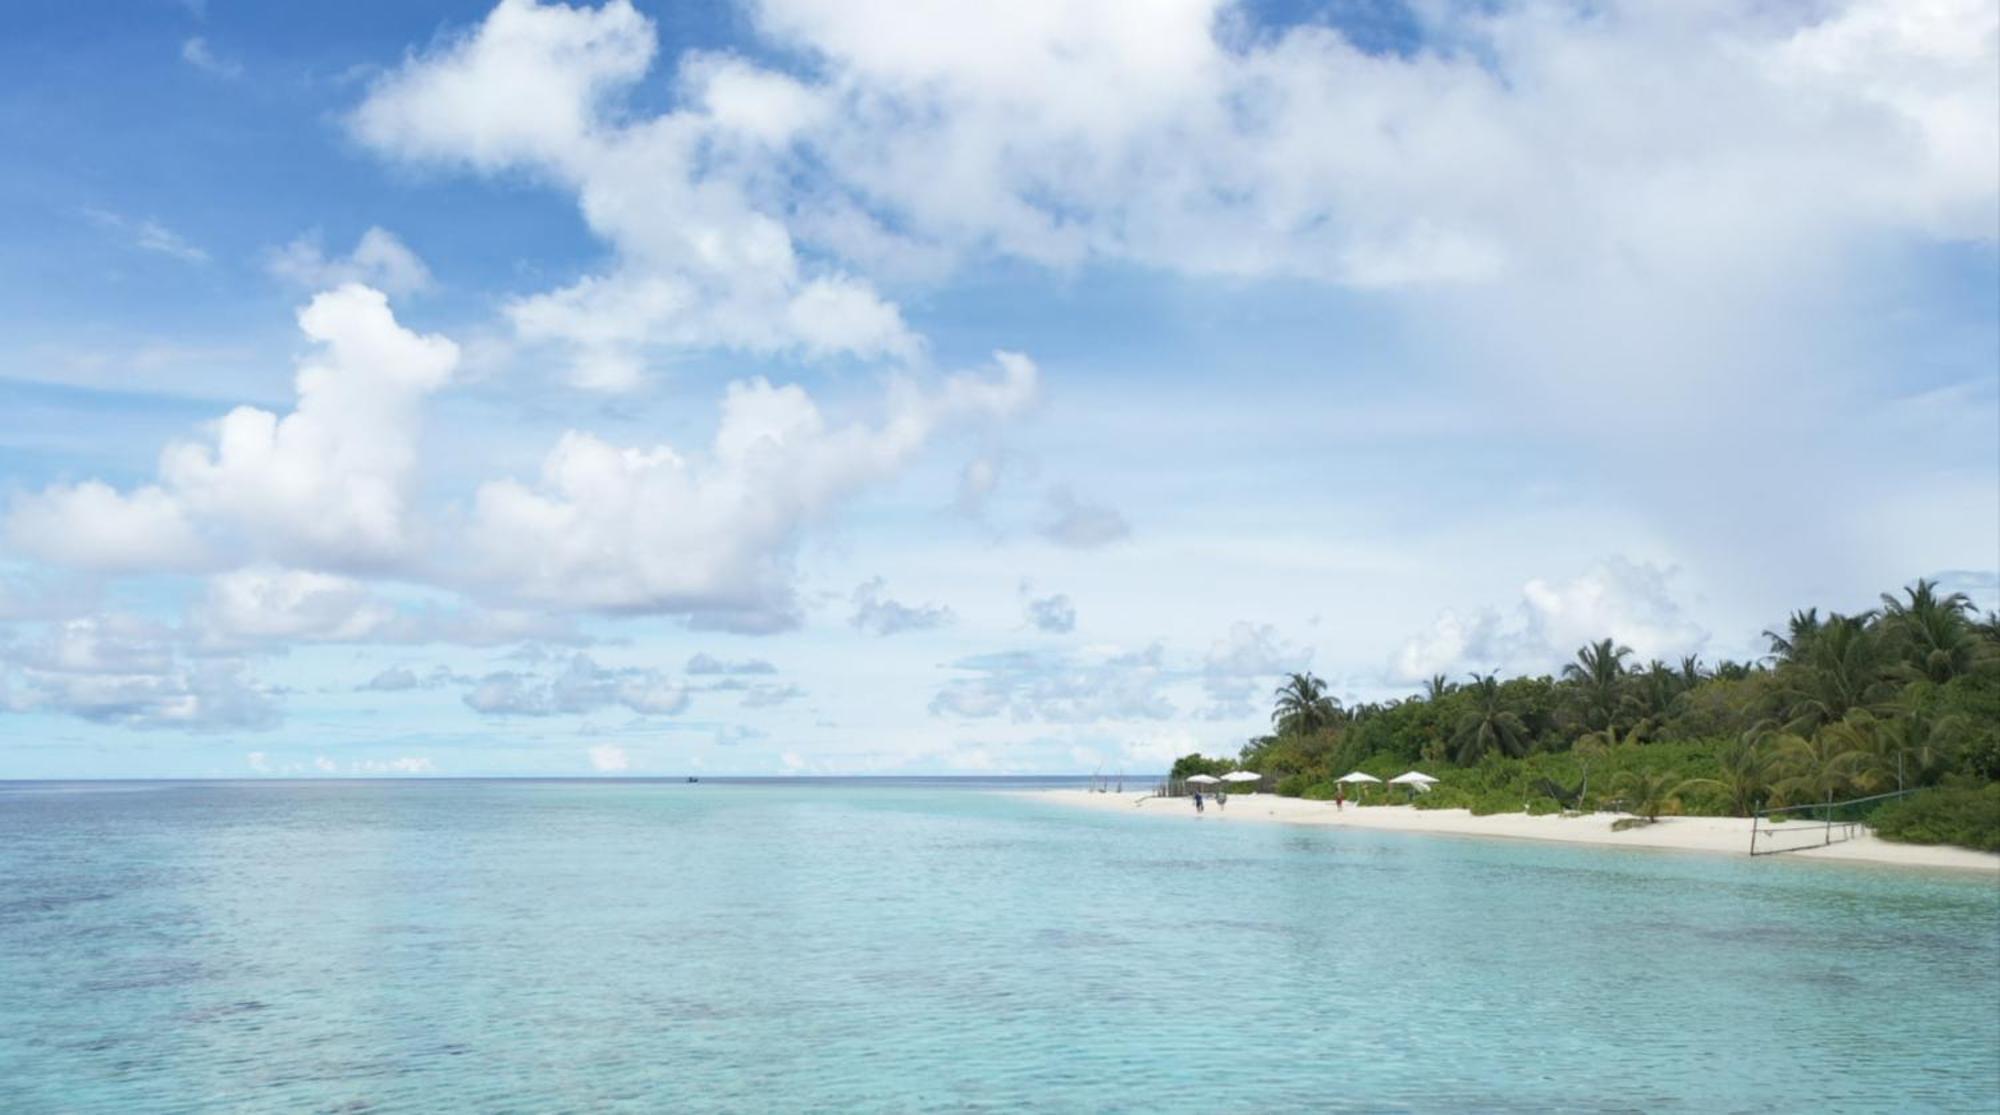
(1926, 745)
(1658, 687)
(1797, 639)
(1843, 670)
(1871, 760)
(1731, 670)
(1605, 739)
(1988, 627)
(1746, 773)
(1491, 724)
(1599, 675)
(1933, 634)
(1691, 672)
(1817, 768)
(1913, 748)
(1437, 687)
(1303, 706)
(1648, 794)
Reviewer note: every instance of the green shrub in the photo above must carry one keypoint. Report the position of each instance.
(1947, 815)
(1444, 797)
(1293, 785)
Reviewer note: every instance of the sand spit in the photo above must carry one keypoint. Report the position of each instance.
(1691, 834)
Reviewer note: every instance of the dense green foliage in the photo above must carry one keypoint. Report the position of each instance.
(1945, 815)
(1901, 697)
(1200, 764)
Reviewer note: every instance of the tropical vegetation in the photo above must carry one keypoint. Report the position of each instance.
(1904, 697)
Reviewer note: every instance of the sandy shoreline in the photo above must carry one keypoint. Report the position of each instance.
(1691, 834)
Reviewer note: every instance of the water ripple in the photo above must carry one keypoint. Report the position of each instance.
(559, 947)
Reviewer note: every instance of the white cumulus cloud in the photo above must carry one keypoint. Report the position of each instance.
(327, 485)
(1626, 601)
(699, 261)
(289, 604)
(129, 672)
(653, 530)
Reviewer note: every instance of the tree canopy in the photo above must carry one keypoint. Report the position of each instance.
(1899, 697)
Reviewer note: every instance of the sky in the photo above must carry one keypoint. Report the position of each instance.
(911, 387)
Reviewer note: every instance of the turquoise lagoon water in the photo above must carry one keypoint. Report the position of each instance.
(524, 946)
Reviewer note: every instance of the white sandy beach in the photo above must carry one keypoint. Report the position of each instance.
(1692, 834)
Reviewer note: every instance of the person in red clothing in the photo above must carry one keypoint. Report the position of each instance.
(1339, 798)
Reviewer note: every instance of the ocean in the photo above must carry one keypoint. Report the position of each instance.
(934, 945)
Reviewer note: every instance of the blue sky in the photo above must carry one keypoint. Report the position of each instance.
(802, 386)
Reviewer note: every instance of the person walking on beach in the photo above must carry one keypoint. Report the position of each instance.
(1197, 801)
(1339, 798)
(1221, 798)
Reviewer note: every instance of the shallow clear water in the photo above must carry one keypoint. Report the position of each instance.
(444, 946)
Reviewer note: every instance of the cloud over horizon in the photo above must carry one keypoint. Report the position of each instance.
(834, 335)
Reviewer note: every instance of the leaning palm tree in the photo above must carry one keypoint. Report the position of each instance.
(1916, 747)
(1815, 768)
(1912, 748)
(1988, 627)
(1489, 725)
(1745, 774)
(1607, 739)
(1437, 687)
(1648, 794)
(1303, 707)
(1871, 762)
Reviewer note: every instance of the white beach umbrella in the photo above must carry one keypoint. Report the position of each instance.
(1357, 776)
(1241, 776)
(1418, 781)
(1203, 779)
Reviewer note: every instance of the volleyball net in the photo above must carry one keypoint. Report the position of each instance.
(1794, 828)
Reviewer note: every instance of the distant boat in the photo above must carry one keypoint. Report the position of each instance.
(692, 778)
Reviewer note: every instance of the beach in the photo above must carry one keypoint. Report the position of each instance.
(1730, 835)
